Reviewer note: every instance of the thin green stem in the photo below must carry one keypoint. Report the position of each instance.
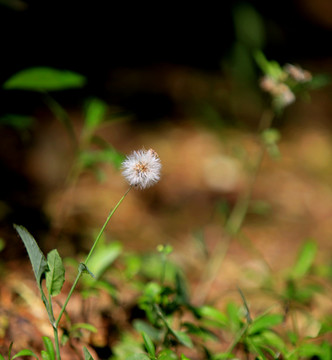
(57, 345)
(55, 330)
(68, 297)
(234, 221)
(81, 268)
(105, 224)
(163, 269)
(236, 218)
(237, 338)
(59, 112)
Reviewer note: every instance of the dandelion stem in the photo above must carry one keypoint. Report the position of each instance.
(81, 268)
(105, 224)
(57, 345)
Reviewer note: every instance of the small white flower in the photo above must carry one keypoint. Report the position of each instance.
(284, 95)
(142, 168)
(297, 73)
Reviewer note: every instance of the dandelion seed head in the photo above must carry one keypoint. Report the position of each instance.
(142, 168)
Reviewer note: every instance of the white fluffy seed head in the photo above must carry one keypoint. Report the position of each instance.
(142, 168)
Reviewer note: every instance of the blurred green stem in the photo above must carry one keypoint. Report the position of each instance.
(60, 113)
(84, 265)
(237, 338)
(235, 220)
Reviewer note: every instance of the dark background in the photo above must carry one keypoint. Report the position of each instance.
(95, 38)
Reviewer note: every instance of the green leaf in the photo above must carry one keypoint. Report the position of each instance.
(310, 350)
(264, 322)
(55, 277)
(106, 286)
(152, 268)
(133, 264)
(62, 115)
(103, 257)
(167, 354)
(200, 331)
(94, 113)
(270, 68)
(84, 269)
(19, 122)
(213, 314)
(44, 79)
(85, 326)
(222, 356)
(234, 320)
(49, 347)
(181, 289)
(183, 338)
(89, 158)
(271, 136)
(152, 291)
(269, 339)
(305, 259)
(37, 258)
(25, 352)
(1, 357)
(142, 326)
(87, 355)
(138, 357)
(10, 350)
(127, 346)
(45, 355)
(183, 357)
(326, 350)
(293, 337)
(249, 26)
(2, 244)
(319, 81)
(149, 345)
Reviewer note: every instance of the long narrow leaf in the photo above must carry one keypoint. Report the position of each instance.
(49, 347)
(44, 79)
(305, 259)
(45, 355)
(37, 258)
(149, 345)
(87, 355)
(265, 322)
(25, 352)
(95, 113)
(138, 357)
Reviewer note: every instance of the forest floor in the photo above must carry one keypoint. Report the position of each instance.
(203, 169)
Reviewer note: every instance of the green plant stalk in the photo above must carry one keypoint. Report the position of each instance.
(235, 219)
(55, 330)
(80, 269)
(163, 268)
(105, 224)
(164, 320)
(56, 340)
(237, 338)
(60, 113)
(232, 227)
